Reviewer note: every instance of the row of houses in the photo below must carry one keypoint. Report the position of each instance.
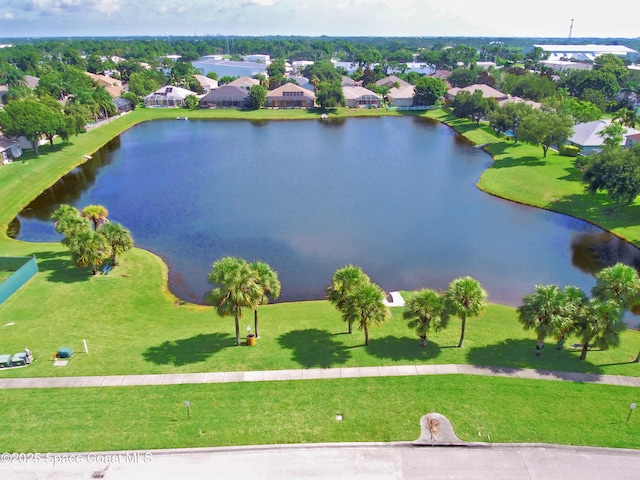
(236, 95)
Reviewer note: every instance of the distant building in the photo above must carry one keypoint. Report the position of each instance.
(228, 68)
(585, 52)
(258, 58)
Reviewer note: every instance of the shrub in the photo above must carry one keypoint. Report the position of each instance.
(569, 150)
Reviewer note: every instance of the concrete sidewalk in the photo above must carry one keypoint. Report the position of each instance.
(311, 374)
(370, 461)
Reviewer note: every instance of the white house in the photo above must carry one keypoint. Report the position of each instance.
(168, 96)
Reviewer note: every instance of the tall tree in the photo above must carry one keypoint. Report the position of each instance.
(426, 310)
(600, 325)
(619, 283)
(365, 306)
(118, 237)
(547, 312)
(269, 283)
(465, 298)
(344, 281)
(96, 213)
(238, 289)
(31, 119)
(428, 91)
(545, 129)
(615, 171)
(89, 249)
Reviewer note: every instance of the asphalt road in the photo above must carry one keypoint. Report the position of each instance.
(374, 461)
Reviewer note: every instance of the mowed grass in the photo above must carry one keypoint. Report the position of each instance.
(374, 409)
(133, 325)
(520, 173)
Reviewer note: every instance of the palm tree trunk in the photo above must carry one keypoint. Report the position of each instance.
(539, 345)
(255, 321)
(585, 348)
(366, 335)
(423, 340)
(464, 324)
(350, 326)
(237, 329)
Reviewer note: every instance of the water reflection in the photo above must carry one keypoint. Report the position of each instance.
(591, 252)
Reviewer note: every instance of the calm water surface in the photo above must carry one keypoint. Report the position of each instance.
(396, 196)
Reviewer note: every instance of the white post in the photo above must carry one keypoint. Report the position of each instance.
(86, 350)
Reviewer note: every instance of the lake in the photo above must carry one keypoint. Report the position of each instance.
(396, 196)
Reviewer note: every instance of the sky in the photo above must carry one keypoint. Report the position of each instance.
(423, 18)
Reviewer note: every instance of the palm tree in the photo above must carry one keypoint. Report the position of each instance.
(67, 221)
(547, 312)
(96, 213)
(343, 282)
(89, 249)
(465, 297)
(238, 289)
(269, 284)
(620, 283)
(575, 300)
(600, 325)
(426, 310)
(118, 237)
(365, 305)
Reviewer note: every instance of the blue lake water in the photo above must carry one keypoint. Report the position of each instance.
(396, 196)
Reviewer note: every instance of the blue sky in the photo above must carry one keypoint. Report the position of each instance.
(493, 18)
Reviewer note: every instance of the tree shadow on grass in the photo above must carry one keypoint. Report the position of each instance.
(58, 267)
(599, 209)
(188, 350)
(314, 348)
(510, 354)
(403, 348)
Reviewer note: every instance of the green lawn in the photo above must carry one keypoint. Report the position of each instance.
(374, 409)
(521, 174)
(133, 325)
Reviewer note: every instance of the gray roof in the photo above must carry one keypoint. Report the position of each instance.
(226, 92)
(587, 134)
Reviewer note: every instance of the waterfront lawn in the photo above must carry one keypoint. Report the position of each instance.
(382, 409)
(521, 174)
(132, 325)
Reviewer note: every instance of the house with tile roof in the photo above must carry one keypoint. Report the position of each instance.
(401, 97)
(291, 95)
(393, 82)
(206, 83)
(487, 91)
(244, 82)
(227, 96)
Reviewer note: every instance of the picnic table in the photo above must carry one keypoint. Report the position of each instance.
(5, 360)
